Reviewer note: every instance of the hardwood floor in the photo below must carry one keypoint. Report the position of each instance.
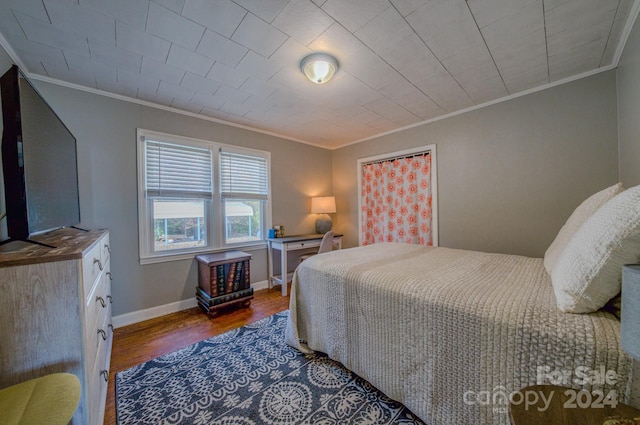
(147, 340)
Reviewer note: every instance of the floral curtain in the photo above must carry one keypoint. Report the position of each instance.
(396, 200)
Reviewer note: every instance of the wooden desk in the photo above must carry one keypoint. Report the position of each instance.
(561, 410)
(292, 243)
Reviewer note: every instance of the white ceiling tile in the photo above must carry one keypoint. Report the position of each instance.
(110, 55)
(32, 62)
(319, 3)
(337, 41)
(62, 72)
(117, 88)
(257, 88)
(173, 27)
(623, 11)
(370, 69)
(81, 20)
(291, 53)
(221, 49)
(487, 12)
(354, 14)
(303, 21)
(161, 71)
(45, 33)
(10, 27)
(207, 100)
(200, 84)
(239, 109)
(186, 106)
(33, 8)
(258, 36)
(131, 12)
(444, 91)
(175, 5)
(392, 111)
(228, 75)
(137, 81)
(406, 7)
(257, 66)
(175, 91)
(44, 52)
(142, 43)
(221, 16)
(265, 9)
(189, 60)
(230, 94)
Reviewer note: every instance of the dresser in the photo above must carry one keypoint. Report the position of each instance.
(55, 311)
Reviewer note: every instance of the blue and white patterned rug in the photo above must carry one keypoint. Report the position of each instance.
(250, 376)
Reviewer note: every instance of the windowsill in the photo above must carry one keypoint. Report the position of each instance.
(191, 255)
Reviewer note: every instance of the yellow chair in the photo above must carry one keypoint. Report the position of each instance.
(50, 400)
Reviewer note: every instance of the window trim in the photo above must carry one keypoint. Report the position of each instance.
(215, 231)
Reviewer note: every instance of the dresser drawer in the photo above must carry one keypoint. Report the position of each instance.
(99, 374)
(92, 266)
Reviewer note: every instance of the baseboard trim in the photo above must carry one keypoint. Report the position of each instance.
(161, 310)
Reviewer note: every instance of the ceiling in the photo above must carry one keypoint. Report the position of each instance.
(402, 62)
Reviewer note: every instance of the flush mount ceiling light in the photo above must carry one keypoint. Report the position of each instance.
(319, 67)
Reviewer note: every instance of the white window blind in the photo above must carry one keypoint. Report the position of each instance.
(243, 176)
(177, 171)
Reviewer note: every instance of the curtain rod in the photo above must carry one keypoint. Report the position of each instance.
(394, 158)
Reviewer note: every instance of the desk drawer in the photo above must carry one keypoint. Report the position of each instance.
(302, 245)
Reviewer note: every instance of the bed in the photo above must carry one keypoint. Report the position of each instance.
(452, 334)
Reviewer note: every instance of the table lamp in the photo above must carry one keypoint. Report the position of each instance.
(323, 205)
(630, 315)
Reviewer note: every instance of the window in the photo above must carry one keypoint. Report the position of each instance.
(196, 196)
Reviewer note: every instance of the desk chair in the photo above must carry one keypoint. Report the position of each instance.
(326, 245)
(48, 400)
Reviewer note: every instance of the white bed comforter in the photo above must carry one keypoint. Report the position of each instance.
(448, 332)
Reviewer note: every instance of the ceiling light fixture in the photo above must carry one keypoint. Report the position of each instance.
(319, 67)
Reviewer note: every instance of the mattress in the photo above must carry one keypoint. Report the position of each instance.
(451, 334)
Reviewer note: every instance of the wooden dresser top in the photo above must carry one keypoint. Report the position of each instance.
(68, 243)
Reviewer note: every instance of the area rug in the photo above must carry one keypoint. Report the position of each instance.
(250, 376)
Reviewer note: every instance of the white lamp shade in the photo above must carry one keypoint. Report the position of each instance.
(319, 67)
(323, 205)
(630, 315)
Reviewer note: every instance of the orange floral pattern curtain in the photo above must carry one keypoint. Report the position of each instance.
(396, 201)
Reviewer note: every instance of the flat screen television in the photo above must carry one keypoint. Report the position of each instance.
(39, 162)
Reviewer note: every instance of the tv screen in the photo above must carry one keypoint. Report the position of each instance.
(39, 162)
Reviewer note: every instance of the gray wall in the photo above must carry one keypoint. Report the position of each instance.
(105, 129)
(629, 110)
(509, 175)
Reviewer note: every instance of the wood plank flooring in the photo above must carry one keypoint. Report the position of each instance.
(147, 340)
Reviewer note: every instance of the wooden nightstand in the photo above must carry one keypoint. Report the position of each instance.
(563, 408)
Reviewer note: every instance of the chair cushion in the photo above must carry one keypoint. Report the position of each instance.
(51, 399)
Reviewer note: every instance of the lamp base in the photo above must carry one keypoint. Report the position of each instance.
(323, 223)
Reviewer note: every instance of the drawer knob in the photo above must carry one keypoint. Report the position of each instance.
(105, 375)
(110, 298)
(109, 276)
(110, 326)
(95, 260)
(108, 248)
(103, 334)
(101, 301)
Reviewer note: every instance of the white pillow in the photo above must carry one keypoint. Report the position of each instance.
(573, 223)
(589, 270)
